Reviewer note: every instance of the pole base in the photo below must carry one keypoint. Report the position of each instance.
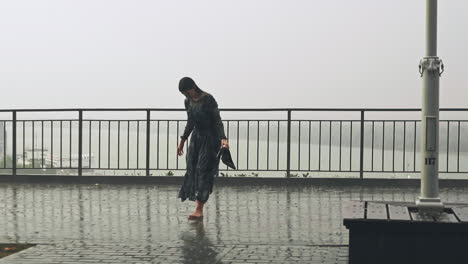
(430, 205)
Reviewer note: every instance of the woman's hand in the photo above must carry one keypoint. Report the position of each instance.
(180, 148)
(224, 143)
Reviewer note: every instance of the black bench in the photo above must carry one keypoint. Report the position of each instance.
(389, 232)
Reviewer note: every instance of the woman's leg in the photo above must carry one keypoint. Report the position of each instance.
(199, 207)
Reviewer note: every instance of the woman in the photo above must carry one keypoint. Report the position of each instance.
(207, 138)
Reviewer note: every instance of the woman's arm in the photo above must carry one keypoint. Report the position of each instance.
(188, 129)
(216, 117)
(189, 126)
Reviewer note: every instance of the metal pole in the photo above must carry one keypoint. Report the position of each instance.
(80, 142)
(14, 145)
(148, 137)
(431, 68)
(361, 147)
(288, 150)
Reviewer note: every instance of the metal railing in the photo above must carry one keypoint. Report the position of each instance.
(275, 145)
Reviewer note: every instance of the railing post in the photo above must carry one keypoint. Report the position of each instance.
(288, 152)
(80, 142)
(14, 144)
(361, 148)
(148, 115)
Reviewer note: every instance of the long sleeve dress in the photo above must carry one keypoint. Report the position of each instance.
(204, 122)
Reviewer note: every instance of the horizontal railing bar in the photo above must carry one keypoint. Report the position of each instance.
(403, 120)
(229, 109)
(234, 120)
(49, 168)
(26, 120)
(251, 170)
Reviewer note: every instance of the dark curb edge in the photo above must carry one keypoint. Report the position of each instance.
(177, 180)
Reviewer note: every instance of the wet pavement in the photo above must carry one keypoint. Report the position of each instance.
(89, 223)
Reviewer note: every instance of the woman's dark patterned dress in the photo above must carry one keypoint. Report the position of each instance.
(204, 121)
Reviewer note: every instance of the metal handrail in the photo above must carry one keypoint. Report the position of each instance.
(228, 109)
(288, 119)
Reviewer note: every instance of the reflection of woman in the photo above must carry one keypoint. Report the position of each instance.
(204, 122)
(197, 248)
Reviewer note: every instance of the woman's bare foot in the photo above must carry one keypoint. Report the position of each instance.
(195, 215)
(198, 211)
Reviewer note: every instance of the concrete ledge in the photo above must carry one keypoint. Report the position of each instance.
(177, 180)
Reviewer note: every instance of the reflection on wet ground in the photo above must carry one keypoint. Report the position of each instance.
(196, 246)
(283, 222)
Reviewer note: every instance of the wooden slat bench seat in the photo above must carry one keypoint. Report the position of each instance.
(389, 232)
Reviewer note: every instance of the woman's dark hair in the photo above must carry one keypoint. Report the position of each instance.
(187, 83)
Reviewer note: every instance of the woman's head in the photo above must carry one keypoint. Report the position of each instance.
(188, 87)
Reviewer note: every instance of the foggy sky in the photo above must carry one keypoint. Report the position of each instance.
(262, 53)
